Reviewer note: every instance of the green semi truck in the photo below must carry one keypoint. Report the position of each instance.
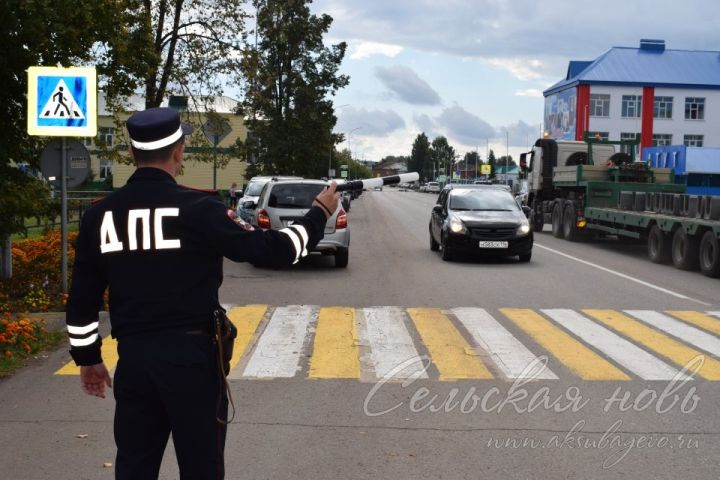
(588, 188)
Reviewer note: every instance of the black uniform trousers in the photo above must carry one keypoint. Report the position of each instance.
(169, 383)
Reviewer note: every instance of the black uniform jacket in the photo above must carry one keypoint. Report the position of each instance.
(158, 247)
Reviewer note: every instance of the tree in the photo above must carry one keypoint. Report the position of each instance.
(492, 162)
(289, 76)
(443, 155)
(471, 164)
(502, 161)
(421, 159)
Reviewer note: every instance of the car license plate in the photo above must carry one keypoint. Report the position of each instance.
(493, 245)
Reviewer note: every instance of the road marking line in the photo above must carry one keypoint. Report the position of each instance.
(280, 346)
(392, 350)
(509, 354)
(109, 354)
(683, 331)
(335, 350)
(246, 320)
(714, 314)
(698, 319)
(623, 352)
(672, 349)
(452, 355)
(584, 362)
(622, 275)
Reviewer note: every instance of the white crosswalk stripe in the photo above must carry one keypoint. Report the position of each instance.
(393, 352)
(278, 351)
(510, 356)
(625, 353)
(681, 330)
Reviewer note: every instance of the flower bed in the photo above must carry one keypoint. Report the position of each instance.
(20, 338)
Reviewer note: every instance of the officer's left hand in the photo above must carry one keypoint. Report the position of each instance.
(93, 379)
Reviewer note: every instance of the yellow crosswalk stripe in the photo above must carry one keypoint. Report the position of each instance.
(109, 356)
(335, 350)
(668, 347)
(454, 357)
(576, 356)
(246, 320)
(698, 319)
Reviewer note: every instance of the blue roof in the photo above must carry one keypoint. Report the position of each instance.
(655, 66)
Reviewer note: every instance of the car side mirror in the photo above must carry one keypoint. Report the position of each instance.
(437, 209)
(249, 205)
(526, 210)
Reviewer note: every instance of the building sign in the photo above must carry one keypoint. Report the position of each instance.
(560, 114)
(485, 169)
(62, 102)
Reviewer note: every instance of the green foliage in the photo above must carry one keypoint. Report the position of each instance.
(290, 75)
(471, 163)
(421, 160)
(21, 196)
(492, 161)
(443, 155)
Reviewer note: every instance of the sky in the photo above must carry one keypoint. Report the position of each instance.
(474, 70)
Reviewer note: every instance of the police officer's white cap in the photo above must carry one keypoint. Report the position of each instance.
(155, 128)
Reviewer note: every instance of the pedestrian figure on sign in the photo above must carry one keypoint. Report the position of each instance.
(60, 100)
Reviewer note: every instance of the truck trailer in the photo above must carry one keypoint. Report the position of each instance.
(587, 188)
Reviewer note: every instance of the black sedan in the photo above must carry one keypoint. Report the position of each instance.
(485, 220)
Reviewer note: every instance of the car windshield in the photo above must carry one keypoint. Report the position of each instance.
(294, 195)
(486, 199)
(254, 188)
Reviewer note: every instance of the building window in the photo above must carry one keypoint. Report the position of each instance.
(693, 140)
(105, 136)
(105, 168)
(631, 137)
(88, 141)
(663, 107)
(662, 139)
(604, 136)
(631, 106)
(694, 108)
(599, 105)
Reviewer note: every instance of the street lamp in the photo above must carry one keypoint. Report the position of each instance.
(507, 154)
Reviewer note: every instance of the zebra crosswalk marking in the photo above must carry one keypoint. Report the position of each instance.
(335, 350)
(392, 351)
(246, 320)
(454, 358)
(698, 319)
(674, 350)
(714, 314)
(109, 354)
(587, 364)
(681, 330)
(278, 351)
(510, 356)
(624, 353)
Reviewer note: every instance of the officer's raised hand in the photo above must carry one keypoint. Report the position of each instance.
(328, 199)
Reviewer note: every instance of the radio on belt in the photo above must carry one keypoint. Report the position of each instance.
(378, 181)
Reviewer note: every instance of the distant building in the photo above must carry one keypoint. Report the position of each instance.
(659, 95)
(387, 170)
(195, 174)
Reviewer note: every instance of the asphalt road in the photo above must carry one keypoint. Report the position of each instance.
(604, 414)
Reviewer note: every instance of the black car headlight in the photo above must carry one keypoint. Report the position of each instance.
(523, 229)
(457, 226)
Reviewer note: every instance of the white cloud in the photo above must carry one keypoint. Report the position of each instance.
(520, 134)
(374, 123)
(368, 49)
(520, 68)
(529, 92)
(407, 85)
(464, 127)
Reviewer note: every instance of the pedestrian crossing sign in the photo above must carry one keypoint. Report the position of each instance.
(62, 102)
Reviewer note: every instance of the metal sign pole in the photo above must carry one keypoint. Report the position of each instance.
(63, 215)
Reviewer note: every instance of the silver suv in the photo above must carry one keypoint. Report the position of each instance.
(283, 202)
(245, 208)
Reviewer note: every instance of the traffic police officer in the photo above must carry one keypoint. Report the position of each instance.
(158, 248)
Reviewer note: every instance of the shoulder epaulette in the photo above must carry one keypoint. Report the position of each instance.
(208, 191)
(96, 200)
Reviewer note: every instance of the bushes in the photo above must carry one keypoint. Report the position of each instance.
(36, 284)
(21, 337)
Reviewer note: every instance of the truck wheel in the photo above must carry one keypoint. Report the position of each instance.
(434, 246)
(685, 251)
(341, 258)
(710, 255)
(570, 231)
(659, 245)
(557, 229)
